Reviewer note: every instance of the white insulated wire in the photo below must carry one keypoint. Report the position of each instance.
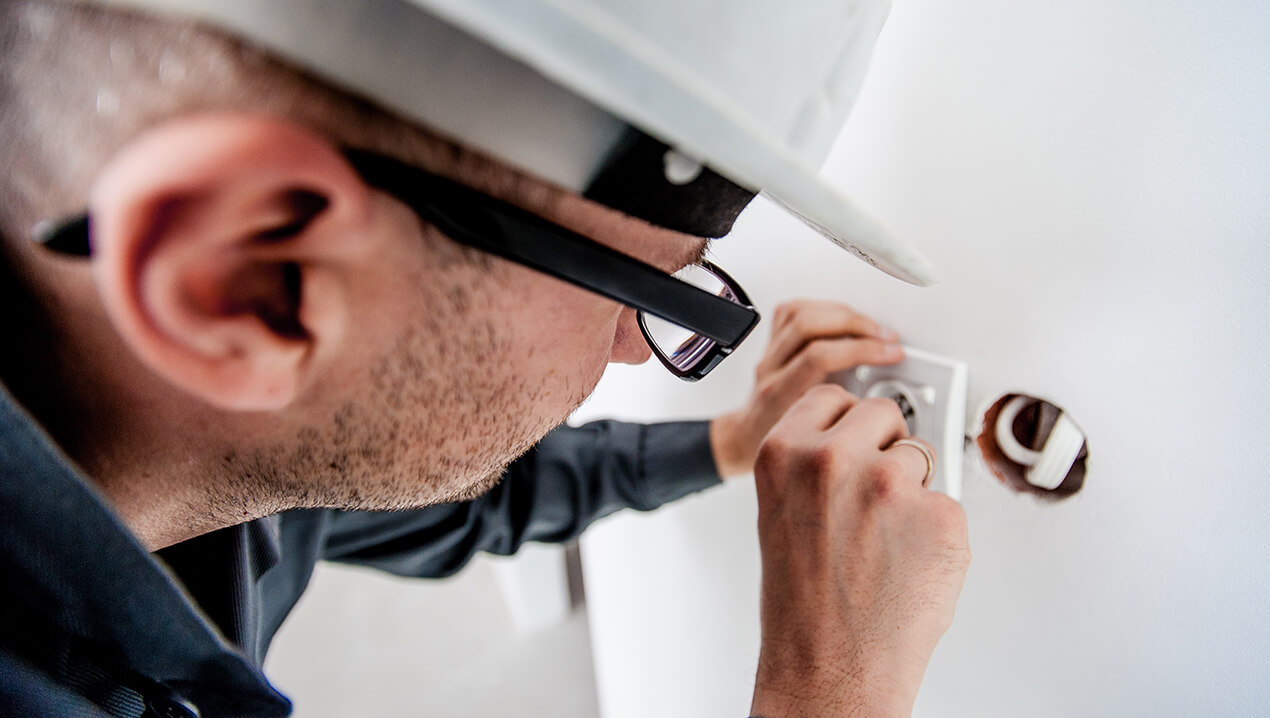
(1048, 467)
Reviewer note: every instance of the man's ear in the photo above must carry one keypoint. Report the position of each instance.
(219, 241)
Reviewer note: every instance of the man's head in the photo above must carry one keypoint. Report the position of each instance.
(266, 325)
(304, 336)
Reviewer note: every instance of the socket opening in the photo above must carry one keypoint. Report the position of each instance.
(1033, 447)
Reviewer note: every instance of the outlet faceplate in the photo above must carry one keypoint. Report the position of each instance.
(931, 391)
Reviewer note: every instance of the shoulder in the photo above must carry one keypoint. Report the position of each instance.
(28, 691)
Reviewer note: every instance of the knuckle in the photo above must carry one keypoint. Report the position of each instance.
(823, 460)
(775, 450)
(828, 392)
(783, 312)
(810, 465)
(882, 478)
(767, 461)
(766, 391)
(800, 324)
(879, 489)
(817, 357)
(770, 462)
(762, 370)
(887, 468)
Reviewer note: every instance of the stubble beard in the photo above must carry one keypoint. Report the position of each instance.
(440, 423)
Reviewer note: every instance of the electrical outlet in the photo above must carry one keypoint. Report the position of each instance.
(931, 391)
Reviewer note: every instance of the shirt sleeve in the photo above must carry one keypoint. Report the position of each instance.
(571, 478)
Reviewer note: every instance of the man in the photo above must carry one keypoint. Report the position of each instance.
(264, 305)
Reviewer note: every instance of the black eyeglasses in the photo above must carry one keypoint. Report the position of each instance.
(691, 320)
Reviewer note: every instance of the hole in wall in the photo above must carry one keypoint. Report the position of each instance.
(1032, 446)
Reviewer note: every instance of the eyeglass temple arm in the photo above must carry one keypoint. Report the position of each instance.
(525, 238)
(610, 274)
(514, 234)
(69, 236)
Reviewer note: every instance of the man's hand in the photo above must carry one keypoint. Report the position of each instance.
(862, 565)
(810, 341)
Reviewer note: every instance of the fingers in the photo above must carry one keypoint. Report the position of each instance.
(817, 411)
(797, 323)
(819, 359)
(811, 341)
(865, 430)
(915, 456)
(877, 422)
(880, 423)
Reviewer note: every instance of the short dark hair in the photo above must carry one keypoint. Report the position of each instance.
(77, 81)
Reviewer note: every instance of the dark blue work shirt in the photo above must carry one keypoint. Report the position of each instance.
(93, 625)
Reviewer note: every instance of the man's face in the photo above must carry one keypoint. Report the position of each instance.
(470, 359)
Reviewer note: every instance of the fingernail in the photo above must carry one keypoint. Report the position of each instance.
(893, 350)
(889, 334)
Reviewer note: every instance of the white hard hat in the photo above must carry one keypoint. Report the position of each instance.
(675, 111)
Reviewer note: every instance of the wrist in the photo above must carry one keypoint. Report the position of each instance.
(835, 686)
(727, 446)
(815, 701)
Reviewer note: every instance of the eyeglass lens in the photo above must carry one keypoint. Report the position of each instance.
(684, 348)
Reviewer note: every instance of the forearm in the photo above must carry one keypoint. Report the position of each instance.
(572, 478)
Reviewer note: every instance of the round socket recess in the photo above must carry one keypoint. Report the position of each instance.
(1034, 447)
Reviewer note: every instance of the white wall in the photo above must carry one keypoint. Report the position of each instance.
(1093, 180)
(364, 644)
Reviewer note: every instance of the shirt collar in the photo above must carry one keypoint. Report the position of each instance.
(70, 565)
